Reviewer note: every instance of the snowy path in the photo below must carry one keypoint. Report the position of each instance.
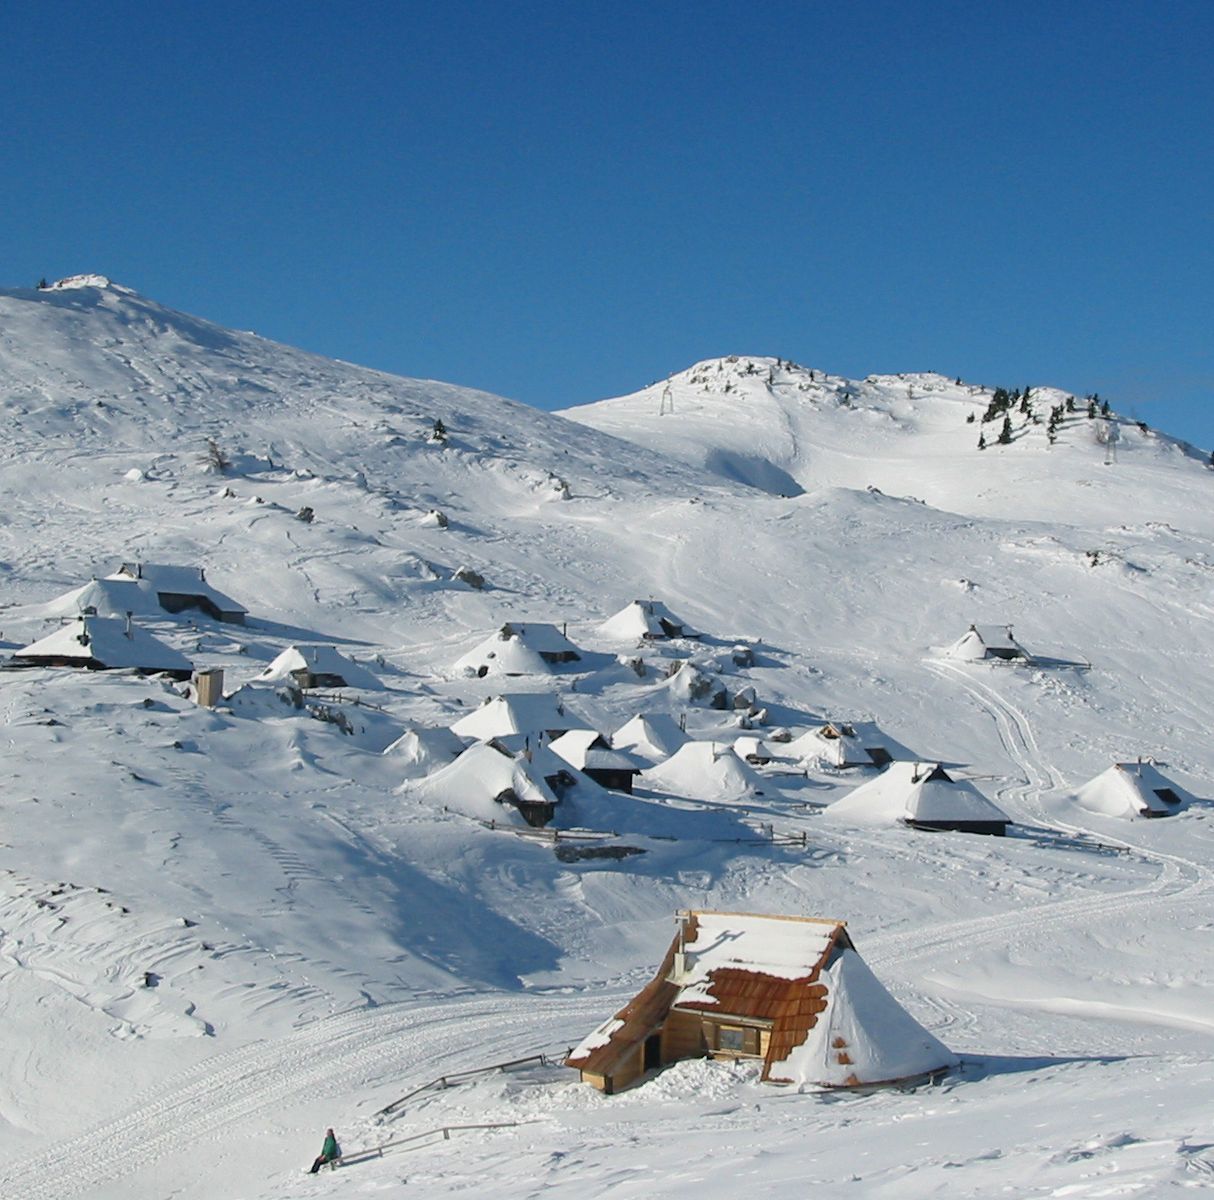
(1180, 880)
(348, 1053)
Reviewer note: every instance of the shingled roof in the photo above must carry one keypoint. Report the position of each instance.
(743, 964)
(826, 1019)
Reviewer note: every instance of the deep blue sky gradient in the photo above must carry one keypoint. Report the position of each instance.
(565, 201)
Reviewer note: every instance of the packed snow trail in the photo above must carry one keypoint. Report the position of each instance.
(348, 1053)
(1180, 879)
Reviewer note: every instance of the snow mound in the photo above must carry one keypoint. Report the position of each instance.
(704, 771)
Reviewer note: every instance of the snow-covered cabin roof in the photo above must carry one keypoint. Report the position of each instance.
(106, 598)
(847, 744)
(587, 749)
(1132, 789)
(920, 794)
(168, 581)
(645, 620)
(987, 641)
(322, 661)
(516, 649)
(516, 713)
(704, 771)
(831, 1022)
(104, 643)
(420, 751)
(485, 771)
(653, 736)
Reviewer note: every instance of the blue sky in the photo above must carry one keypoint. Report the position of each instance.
(565, 201)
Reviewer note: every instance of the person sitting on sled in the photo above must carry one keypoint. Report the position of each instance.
(328, 1152)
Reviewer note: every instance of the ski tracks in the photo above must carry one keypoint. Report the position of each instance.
(340, 1054)
(1178, 879)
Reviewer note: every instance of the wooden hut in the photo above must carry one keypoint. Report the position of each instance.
(789, 992)
(180, 588)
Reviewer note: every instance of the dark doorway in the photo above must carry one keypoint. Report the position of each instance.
(653, 1051)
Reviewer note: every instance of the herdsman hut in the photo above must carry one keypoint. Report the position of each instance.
(922, 795)
(179, 588)
(789, 992)
(319, 667)
(104, 644)
(590, 752)
(646, 621)
(984, 642)
(1132, 789)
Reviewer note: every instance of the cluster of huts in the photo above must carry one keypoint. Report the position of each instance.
(789, 992)
(533, 749)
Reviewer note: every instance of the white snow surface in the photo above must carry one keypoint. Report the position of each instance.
(222, 931)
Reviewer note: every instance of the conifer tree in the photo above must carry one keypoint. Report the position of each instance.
(982, 445)
(1005, 434)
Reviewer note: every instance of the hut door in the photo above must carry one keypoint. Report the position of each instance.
(653, 1051)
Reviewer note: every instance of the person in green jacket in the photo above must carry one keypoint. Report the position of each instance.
(328, 1152)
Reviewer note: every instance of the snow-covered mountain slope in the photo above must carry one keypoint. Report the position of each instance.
(222, 930)
(785, 428)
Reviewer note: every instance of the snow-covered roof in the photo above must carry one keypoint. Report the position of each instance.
(588, 749)
(1129, 790)
(645, 619)
(515, 712)
(653, 736)
(916, 793)
(864, 1037)
(846, 743)
(517, 649)
(178, 581)
(704, 771)
(107, 598)
(985, 641)
(107, 642)
(420, 751)
(484, 771)
(320, 660)
(779, 947)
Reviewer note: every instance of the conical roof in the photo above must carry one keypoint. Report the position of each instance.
(1130, 790)
(654, 736)
(917, 793)
(320, 660)
(864, 1037)
(645, 619)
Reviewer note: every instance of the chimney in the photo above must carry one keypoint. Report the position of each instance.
(208, 686)
(128, 624)
(679, 966)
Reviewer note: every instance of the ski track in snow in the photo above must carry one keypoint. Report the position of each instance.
(348, 1052)
(1180, 881)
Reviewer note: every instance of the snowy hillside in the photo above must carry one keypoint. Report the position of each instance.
(785, 428)
(225, 928)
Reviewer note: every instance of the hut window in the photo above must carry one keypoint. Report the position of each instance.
(1167, 795)
(731, 1037)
